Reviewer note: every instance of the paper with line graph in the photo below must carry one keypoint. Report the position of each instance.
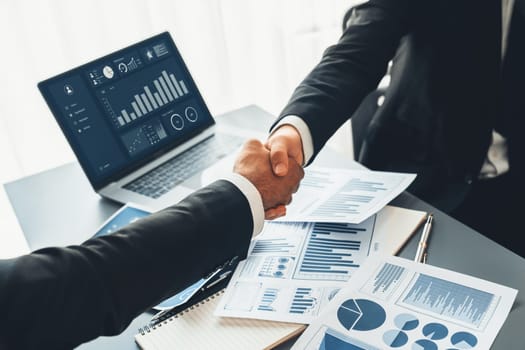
(341, 195)
(294, 269)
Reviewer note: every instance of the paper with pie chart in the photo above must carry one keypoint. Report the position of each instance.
(394, 303)
(294, 269)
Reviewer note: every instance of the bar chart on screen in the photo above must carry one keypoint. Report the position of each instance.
(142, 90)
(163, 90)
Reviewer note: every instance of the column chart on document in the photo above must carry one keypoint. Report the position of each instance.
(393, 302)
(294, 269)
(341, 195)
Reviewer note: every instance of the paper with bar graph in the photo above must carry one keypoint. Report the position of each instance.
(392, 302)
(294, 269)
(342, 195)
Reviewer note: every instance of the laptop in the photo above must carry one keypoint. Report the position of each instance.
(138, 124)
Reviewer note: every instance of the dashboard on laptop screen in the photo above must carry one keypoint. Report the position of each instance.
(122, 110)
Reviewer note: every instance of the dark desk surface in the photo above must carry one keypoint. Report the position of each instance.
(59, 207)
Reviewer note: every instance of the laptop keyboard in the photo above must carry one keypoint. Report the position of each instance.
(180, 168)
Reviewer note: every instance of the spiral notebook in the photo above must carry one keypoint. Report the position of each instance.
(197, 328)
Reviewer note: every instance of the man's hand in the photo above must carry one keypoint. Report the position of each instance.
(276, 191)
(284, 144)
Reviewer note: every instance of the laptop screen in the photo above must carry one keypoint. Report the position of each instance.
(124, 109)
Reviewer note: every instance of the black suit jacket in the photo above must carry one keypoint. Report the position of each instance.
(97, 288)
(444, 98)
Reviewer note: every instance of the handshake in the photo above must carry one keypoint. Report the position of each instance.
(274, 168)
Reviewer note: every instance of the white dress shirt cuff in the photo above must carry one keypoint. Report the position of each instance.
(304, 131)
(254, 200)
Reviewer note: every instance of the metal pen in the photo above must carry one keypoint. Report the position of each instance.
(422, 246)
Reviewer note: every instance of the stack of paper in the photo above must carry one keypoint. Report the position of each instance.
(298, 264)
(294, 269)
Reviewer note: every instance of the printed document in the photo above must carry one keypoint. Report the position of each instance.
(392, 302)
(294, 269)
(341, 195)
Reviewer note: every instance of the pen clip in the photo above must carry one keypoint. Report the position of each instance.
(423, 241)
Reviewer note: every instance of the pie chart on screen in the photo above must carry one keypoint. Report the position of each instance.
(361, 314)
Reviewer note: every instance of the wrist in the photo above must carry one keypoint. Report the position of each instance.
(253, 196)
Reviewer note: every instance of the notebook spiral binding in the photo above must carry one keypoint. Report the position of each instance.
(150, 327)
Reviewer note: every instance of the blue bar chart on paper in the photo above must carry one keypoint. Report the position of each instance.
(454, 301)
(294, 269)
(344, 196)
(317, 179)
(268, 298)
(304, 301)
(385, 282)
(277, 245)
(346, 201)
(397, 303)
(334, 250)
(299, 301)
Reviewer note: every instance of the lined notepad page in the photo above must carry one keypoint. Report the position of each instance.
(198, 328)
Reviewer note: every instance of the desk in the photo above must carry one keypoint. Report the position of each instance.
(59, 207)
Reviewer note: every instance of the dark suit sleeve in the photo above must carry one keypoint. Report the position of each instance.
(351, 69)
(97, 288)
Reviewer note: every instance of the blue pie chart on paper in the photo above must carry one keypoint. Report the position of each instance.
(435, 331)
(361, 314)
(464, 340)
(395, 338)
(406, 322)
(424, 344)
